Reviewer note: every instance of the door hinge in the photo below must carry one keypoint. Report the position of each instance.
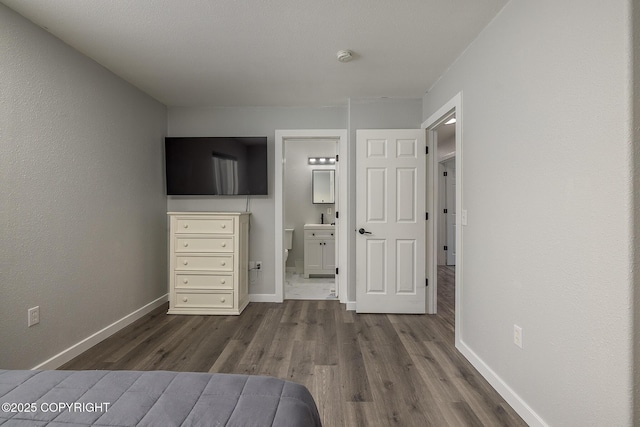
(337, 157)
(445, 211)
(446, 248)
(336, 270)
(337, 215)
(427, 216)
(444, 173)
(427, 280)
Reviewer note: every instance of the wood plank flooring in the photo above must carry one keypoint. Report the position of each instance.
(362, 369)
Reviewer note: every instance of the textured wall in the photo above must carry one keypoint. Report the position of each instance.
(635, 41)
(547, 183)
(81, 201)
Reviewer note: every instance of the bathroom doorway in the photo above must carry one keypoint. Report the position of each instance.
(309, 210)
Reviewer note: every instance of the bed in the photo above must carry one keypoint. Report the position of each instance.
(154, 398)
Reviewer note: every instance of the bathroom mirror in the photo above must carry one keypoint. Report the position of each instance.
(322, 187)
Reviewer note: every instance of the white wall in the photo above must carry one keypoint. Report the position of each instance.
(249, 121)
(82, 203)
(298, 208)
(547, 186)
(636, 201)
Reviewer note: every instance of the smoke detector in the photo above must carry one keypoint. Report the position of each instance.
(344, 55)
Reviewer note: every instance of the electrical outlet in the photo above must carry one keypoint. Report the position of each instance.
(258, 265)
(517, 335)
(33, 316)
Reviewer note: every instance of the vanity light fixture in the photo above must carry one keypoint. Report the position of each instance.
(321, 160)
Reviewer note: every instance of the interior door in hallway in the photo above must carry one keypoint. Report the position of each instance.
(390, 220)
(450, 185)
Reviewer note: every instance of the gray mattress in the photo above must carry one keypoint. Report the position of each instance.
(156, 398)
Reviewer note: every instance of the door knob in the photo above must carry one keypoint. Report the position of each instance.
(363, 231)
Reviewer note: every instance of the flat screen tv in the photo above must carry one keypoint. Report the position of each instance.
(221, 166)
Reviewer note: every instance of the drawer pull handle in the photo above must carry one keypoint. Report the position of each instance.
(224, 225)
(185, 262)
(224, 245)
(222, 299)
(185, 281)
(186, 244)
(186, 226)
(223, 263)
(223, 281)
(184, 299)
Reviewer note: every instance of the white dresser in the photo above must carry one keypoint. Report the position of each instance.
(208, 262)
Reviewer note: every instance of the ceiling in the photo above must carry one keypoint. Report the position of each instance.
(267, 53)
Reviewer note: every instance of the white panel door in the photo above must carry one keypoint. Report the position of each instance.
(390, 221)
(450, 180)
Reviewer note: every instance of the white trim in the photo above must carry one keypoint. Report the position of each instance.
(264, 298)
(513, 399)
(84, 345)
(350, 305)
(343, 165)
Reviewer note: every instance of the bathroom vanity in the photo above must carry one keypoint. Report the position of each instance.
(319, 250)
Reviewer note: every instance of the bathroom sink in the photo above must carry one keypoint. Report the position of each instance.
(319, 226)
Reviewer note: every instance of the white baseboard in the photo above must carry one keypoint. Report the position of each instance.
(263, 298)
(351, 305)
(512, 398)
(84, 345)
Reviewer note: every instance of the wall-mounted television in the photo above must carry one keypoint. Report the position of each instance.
(221, 166)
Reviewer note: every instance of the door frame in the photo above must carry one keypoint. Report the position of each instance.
(342, 173)
(454, 105)
(444, 186)
(409, 303)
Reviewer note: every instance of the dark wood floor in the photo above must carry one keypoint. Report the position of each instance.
(362, 369)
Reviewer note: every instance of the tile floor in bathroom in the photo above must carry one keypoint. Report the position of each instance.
(297, 287)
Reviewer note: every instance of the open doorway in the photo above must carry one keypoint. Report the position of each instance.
(340, 212)
(446, 208)
(309, 218)
(446, 281)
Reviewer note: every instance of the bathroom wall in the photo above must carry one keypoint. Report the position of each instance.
(297, 193)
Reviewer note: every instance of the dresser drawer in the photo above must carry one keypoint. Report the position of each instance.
(204, 262)
(213, 300)
(204, 225)
(203, 244)
(203, 281)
